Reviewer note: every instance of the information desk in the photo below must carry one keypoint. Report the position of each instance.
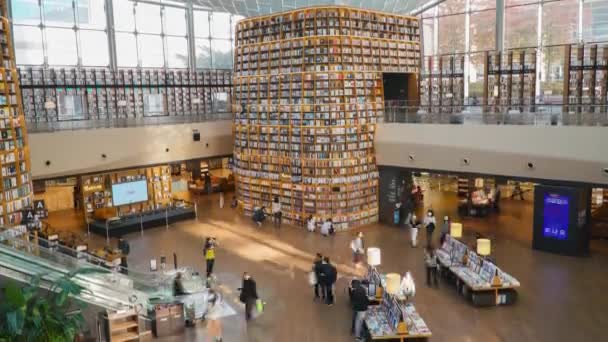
(379, 328)
(136, 222)
(475, 277)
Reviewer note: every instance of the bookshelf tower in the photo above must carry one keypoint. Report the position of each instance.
(308, 92)
(16, 185)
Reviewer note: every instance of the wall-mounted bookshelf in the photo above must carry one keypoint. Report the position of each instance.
(585, 78)
(510, 81)
(93, 94)
(16, 185)
(308, 91)
(442, 84)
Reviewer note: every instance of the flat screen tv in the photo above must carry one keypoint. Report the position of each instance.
(130, 192)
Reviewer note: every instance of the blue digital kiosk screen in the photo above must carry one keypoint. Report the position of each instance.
(556, 216)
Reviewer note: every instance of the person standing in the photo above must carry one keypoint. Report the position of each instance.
(326, 228)
(329, 274)
(249, 294)
(360, 302)
(276, 212)
(221, 199)
(430, 260)
(414, 225)
(214, 312)
(357, 247)
(209, 252)
(316, 268)
(125, 249)
(445, 229)
(311, 224)
(430, 222)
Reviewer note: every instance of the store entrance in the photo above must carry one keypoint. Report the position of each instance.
(400, 88)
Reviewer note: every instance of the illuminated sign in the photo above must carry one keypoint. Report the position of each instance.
(556, 216)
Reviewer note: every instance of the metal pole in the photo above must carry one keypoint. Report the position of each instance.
(196, 210)
(141, 224)
(500, 25)
(107, 234)
(167, 218)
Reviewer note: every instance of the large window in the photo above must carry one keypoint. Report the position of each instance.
(60, 32)
(552, 74)
(214, 39)
(482, 31)
(521, 26)
(595, 20)
(451, 34)
(560, 22)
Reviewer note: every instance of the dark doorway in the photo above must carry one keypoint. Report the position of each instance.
(395, 87)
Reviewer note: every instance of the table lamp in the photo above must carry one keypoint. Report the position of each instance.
(393, 283)
(373, 256)
(456, 230)
(484, 247)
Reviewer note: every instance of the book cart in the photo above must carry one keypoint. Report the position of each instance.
(308, 92)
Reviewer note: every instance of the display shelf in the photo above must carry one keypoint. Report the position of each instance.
(442, 84)
(94, 94)
(308, 92)
(510, 81)
(585, 78)
(16, 186)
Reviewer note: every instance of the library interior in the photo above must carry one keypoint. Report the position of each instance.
(303, 170)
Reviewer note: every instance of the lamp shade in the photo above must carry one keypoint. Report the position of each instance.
(484, 247)
(373, 256)
(393, 283)
(456, 230)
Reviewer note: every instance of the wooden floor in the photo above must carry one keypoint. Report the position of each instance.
(561, 298)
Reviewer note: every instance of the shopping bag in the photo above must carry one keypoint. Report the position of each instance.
(259, 305)
(312, 278)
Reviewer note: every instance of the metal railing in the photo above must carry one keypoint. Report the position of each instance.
(41, 127)
(537, 115)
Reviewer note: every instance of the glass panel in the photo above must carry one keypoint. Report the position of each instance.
(150, 50)
(203, 53)
(126, 50)
(427, 33)
(123, 15)
(91, 14)
(483, 31)
(94, 48)
(451, 34)
(476, 78)
(61, 47)
(595, 19)
(222, 53)
(175, 21)
(452, 7)
(428, 13)
(477, 5)
(220, 25)
(26, 12)
(519, 2)
(177, 49)
(560, 22)
(147, 18)
(58, 12)
(28, 45)
(235, 20)
(552, 75)
(201, 24)
(521, 26)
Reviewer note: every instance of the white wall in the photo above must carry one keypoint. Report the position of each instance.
(76, 152)
(557, 152)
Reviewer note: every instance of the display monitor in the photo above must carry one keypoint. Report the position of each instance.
(556, 216)
(130, 192)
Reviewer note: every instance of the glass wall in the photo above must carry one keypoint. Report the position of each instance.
(469, 27)
(150, 34)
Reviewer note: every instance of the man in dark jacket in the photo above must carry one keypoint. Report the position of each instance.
(317, 269)
(249, 294)
(125, 248)
(329, 274)
(360, 302)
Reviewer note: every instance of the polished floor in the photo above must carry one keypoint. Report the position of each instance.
(561, 298)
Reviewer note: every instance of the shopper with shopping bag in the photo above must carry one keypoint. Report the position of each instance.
(249, 295)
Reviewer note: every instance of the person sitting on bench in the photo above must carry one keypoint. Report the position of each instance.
(259, 214)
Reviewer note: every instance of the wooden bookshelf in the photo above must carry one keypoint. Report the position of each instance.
(442, 84)
(308, 91)
(123, 327)
(16, 186)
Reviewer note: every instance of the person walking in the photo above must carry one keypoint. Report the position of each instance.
(209, 251)
(445, 229)
(249, 294)
(357, 248)
(125, 249)
(430, 222)
(329, 274)
(414, 224)
(214, 313)
(360, 302)
(276, 212)
(430, 260)
(316, 269)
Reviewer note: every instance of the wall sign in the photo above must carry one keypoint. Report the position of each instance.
(556, 216)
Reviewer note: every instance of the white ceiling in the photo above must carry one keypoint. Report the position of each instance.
(249, 8)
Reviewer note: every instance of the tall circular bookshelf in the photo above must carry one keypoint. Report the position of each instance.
(308, 92)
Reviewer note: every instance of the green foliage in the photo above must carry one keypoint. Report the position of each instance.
(29, 314)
